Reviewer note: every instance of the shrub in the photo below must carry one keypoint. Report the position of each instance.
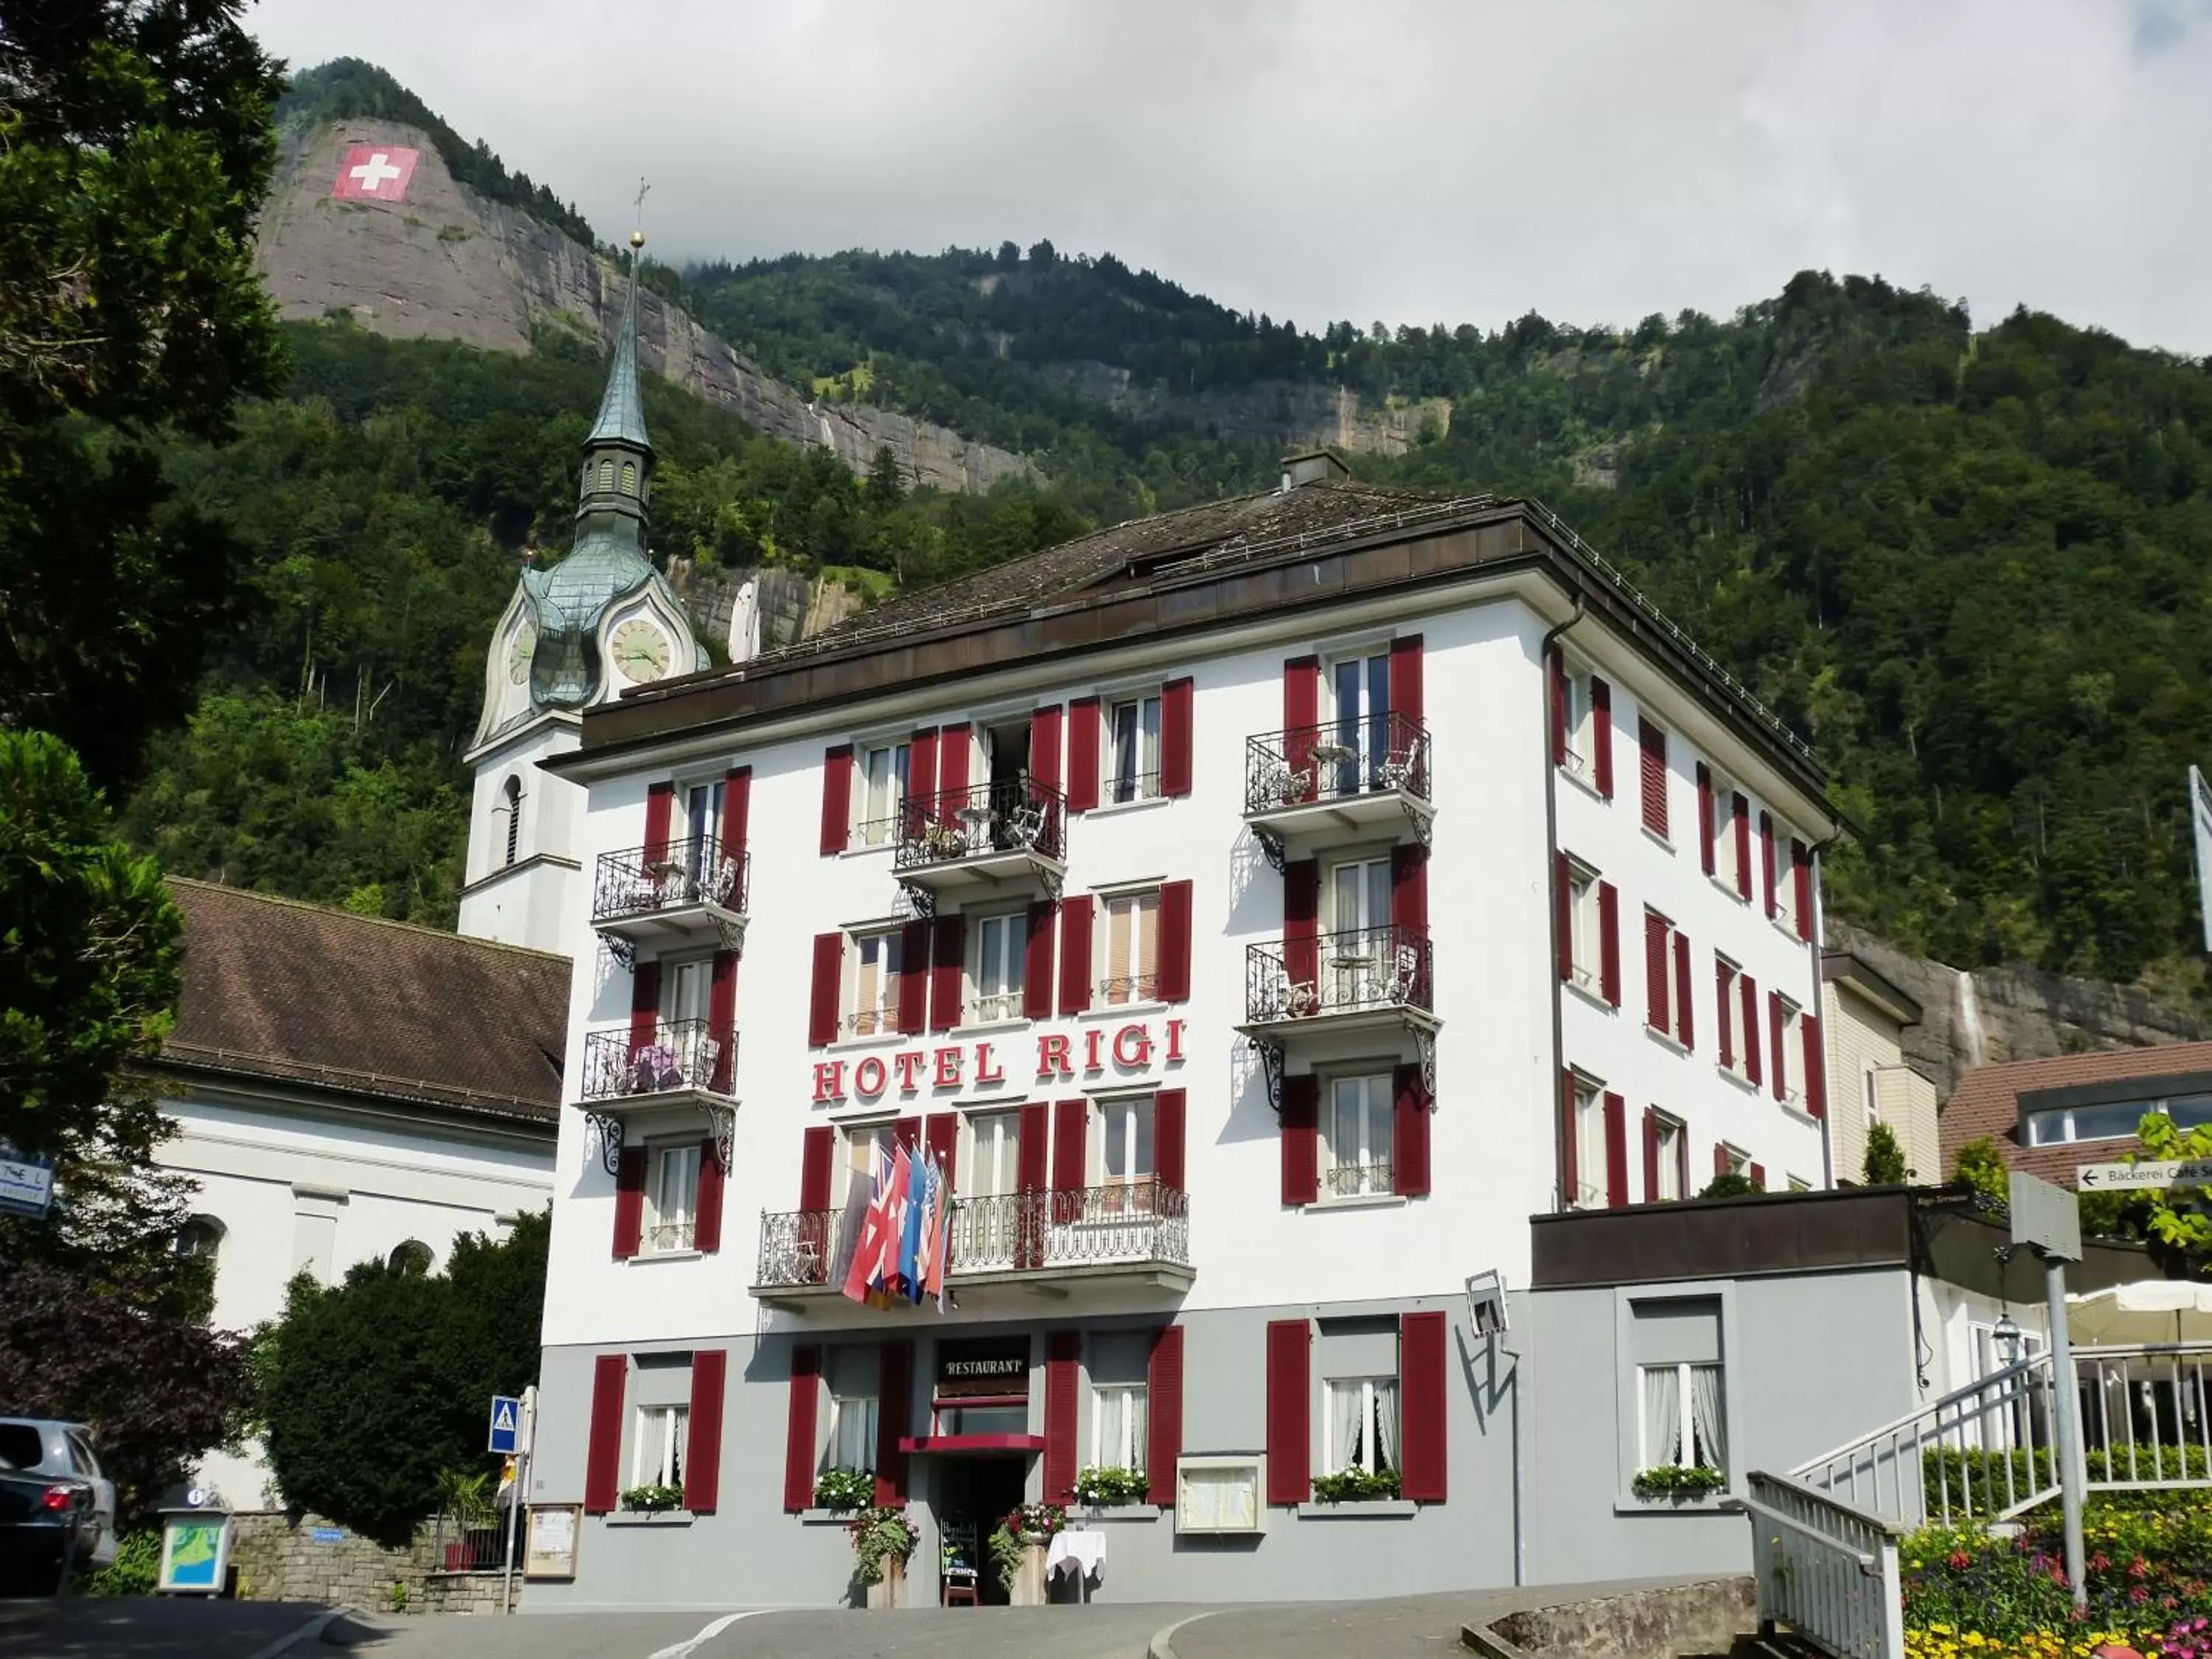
(843, 1489)
(135, 1571)
(1355, 1486)
(1731, 1185)
(879, 1533)
(1885, 1158)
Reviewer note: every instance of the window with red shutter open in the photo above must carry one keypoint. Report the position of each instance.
(1651, 755)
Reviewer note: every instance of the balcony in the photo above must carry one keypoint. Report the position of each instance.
(687, 892)
(684, 1065)
(1355, 983)
(1133, 1234)
(1323, 781)
(993, 839)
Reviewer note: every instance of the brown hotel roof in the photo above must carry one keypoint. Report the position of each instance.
(298, 992)
(1987, 1102)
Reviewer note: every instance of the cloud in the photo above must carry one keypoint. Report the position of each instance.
(1459, 162)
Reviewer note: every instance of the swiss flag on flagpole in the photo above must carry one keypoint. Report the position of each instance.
(374, 172)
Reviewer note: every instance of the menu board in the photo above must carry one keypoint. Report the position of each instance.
(548, 1549)
(1219, 1494)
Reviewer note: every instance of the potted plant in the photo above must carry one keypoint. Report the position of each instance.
(1034, 1524)
(843, 1489)
(1356, 1486)
(883, 1538)
(1679, 1483)
(465, 1501)
(1108, 1488)
(654, 1499)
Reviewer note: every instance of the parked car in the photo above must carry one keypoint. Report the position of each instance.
(62, 1451)
(44, 1527)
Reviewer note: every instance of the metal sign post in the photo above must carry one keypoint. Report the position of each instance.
(2048, 1220)
(525, 1437)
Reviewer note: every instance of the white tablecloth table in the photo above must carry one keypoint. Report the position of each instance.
(1082, 1553)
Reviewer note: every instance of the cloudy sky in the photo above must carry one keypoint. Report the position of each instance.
(1457, 161)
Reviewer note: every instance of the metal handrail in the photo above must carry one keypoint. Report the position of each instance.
(1022, 816)
(1137, 1221)
(1829, 1572)
(1352, 970)
(641, 881)
(1335, 761)
(680, 1053)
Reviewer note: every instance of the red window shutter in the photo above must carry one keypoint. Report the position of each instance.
(603, 1450)
(822, 997)
(1686, 1032)
(1682, 1160)
(707, 1222)
(1705, 860)
(1800, 869)
(1175, 941)
(948, 973)
(1816, 1065)
(1616, 1150)
(630, 1204)
(737, 810)
(1722, 1162)
(894, 1418)
(1037, 963)
(1723, 993)
(1044, 746)
(1168, 1108)
(1767, 858)
(1302, 922)
(1175, 703)
(1409, 1134)
(644, 1005)
(1555, 670)
(836, 799)
(816, 1163)
(1748, 988)
(1571, 1178)
(922, 804)
(1032, 1147)
(1071, 1148)
(1290, 1411)
(1424, 1401)
(1163, 1425)
(1409, 889)
(1608, 942)
(798, 1430)
(1758, 1177)
(1650, 1155)
(1601, 734)
(1656, 971)
(1651, 742)
(1063, 1364)
(913, 978)
(1301, 1130)
(940, 1134)
(1563, 919)
(1779, 1064)
(907, 1132)
(1075, 953)
(1083, 734)
(1302, 714)
(1407, 694)
(1740, 809)
(659, 805)
(722, 1021)
(702, 1447)
(955, 743)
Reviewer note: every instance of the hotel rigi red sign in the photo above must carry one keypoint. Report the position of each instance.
(1059, 1057)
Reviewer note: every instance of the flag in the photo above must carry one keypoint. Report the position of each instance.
(868, 1237)
(940, 1234)
(909, 1263)
(878, 1256)
(374, 172)
(858, 1195)
(925, 1248)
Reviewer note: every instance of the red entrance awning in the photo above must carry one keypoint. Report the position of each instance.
(971, 1444)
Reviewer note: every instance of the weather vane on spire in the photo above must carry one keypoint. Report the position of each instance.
(637, 235)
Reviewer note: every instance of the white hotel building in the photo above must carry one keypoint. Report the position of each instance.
(1263, 910)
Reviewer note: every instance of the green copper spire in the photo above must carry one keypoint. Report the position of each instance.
(621, 410)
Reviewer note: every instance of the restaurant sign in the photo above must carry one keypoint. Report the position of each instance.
(983, 1366)
(1126, 1050)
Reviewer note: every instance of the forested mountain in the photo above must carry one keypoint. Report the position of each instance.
(1972, 566)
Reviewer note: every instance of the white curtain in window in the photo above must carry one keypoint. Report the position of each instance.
(1347, 1402)
(1386, 1427)
(1662, 1416)
(1120, 1427)
(1706, 1413)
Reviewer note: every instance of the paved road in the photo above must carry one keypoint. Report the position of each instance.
(147, 1628)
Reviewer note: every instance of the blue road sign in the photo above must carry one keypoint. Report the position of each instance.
(506, 1425)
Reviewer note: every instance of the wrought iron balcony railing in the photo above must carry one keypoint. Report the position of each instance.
(1383, 754)
(1357, 1180)
(1357, 970)
(1137, 1222)
(643, 881)
(1021, 817)
(682, 1053)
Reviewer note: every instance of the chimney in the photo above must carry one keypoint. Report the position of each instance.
(1313, 466)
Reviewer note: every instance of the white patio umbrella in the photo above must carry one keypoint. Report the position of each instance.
(2148, 1310)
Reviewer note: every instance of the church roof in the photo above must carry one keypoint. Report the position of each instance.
(278, 989)
(622, 406)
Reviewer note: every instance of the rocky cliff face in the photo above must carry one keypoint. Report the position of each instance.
(1294, 412)
(445, 263)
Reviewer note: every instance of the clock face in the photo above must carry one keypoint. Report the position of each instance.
(641, 651)
(518, 653)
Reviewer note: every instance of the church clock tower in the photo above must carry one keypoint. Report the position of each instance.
(600, 621)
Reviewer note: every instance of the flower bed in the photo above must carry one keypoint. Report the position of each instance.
(2075, 1642)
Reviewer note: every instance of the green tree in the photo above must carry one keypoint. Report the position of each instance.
(1885, 1158)
(1730, 1184)
(1981, 1165)
(374, 1388)
(2180, 1218)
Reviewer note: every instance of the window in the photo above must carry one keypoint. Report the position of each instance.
(1799, 1184)
(1361, 1427)
(1001, 942)
(672, 1195)
(1133, 749)
(1738, 1162)
(1789, 1056)
(1582, 736)
(1872, 1090)
(1665, 978)
(201, 1236)
(882, 776)
(1728, 869)
(1133, 947)
(986, 1222)
(1118, 1426)
(1671, 1153)
(852, 1432)
(1356, 1139)
(1682, 1420)
(1587, 945)
(1358, 958)
(413, 1259)
(1652, 746)
(1735, 1009)
(867, 1149)
(1590, 1164)
(657, 1460)
(630, 477)
(993, 1149)
(875, 983)
(2109, 1119)
(1360, 740)
(1125, 1129)
(512, 795)
(607, 475)
(1783, 875)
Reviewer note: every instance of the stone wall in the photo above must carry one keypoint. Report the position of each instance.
(1699, 1618)
(282, 1558)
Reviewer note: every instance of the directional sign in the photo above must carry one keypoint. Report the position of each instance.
(26, 1184)
(506, 1425)
(2142, 1177)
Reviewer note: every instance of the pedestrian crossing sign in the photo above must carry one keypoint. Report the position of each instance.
(506, 1425)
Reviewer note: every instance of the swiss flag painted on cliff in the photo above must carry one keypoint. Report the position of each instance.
(374, 172)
